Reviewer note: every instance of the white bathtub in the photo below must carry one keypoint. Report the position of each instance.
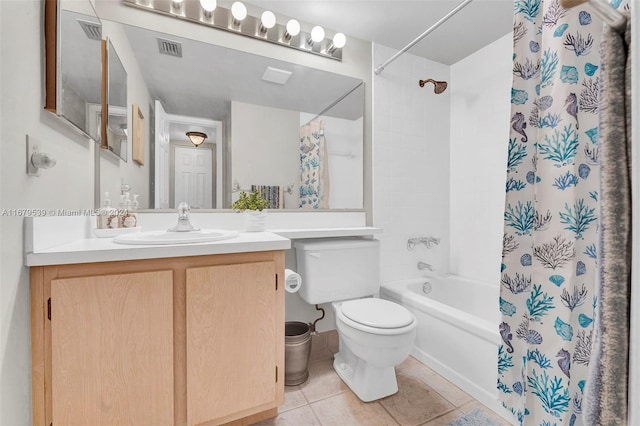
(457, 330)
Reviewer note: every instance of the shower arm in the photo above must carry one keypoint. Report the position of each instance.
(441, 21)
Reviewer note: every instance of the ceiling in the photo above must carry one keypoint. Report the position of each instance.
(395, 23)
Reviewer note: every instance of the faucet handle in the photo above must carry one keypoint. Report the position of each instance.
(184, 224)
(184, 210)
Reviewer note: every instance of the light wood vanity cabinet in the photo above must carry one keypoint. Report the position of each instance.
(191, 340)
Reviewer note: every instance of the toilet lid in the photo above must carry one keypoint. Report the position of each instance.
(378, 313)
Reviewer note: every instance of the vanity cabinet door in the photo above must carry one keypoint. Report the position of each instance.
(234, 317)
(112, 349)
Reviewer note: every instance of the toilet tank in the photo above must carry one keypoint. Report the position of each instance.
(337, 268)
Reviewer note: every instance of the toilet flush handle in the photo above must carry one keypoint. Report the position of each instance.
(315, 254)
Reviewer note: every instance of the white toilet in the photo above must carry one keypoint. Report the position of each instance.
(375, 334)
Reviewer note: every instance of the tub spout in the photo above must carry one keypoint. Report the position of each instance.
(422, 266)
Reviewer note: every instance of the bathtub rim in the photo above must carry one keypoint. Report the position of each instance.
(399, 292)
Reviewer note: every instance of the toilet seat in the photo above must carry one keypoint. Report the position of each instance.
(378, 313)
(376, 316)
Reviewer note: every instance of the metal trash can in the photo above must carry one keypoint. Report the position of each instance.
(297, 348)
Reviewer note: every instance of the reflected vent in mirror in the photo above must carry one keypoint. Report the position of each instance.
(169, 47)
(91, 29)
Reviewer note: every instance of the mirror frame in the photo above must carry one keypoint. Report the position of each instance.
(51, 55)
(104, 112)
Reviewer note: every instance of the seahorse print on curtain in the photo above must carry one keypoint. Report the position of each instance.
(547, 294)
(314, 167)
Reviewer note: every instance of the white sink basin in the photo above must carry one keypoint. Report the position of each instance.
(165, 237)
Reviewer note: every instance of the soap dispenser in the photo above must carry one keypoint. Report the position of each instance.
(107, 216)
(128, 217)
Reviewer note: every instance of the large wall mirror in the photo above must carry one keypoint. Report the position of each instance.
(261, 116)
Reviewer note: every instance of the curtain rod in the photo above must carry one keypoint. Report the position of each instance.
(603, 9)
(334, 103)
(442, 20)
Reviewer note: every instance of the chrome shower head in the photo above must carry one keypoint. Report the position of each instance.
(438, 86)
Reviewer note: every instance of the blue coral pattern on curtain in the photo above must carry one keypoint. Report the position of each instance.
(314, 181)
(547, 294)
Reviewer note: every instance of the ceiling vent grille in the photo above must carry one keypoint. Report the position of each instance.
(169, 47)
(91, 29)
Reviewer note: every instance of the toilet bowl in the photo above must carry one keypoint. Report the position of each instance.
(374, 335)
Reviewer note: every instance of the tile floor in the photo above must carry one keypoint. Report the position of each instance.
(424, 398)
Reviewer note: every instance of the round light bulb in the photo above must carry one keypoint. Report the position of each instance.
(293, 27)
(268, 19)
(208, 5)
(239, 11)
(317, 33)
(339, 40)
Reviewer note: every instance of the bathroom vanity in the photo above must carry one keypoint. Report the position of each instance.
(175, 335)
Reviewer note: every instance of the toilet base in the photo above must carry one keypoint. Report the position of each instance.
(367, 381)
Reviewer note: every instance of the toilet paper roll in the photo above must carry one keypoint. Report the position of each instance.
(292, 281)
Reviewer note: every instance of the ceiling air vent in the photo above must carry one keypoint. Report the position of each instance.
(91, 29)
(169, 47)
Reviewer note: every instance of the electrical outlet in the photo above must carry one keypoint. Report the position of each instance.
(33, 146)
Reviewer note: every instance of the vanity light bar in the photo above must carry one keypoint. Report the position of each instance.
(250, 26)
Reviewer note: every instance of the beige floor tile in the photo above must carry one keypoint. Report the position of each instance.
(302, 416)
(448, 390)
(477, 404)
(446, 419)
(416, 402)
(347, 410)
(293, 398)
(323, 381)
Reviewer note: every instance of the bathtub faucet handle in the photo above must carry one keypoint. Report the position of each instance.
(427, 241)
(422, 266)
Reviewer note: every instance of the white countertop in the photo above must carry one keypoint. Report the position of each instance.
(92, 250)
(69, 240)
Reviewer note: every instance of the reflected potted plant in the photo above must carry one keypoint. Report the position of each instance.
(253, 206)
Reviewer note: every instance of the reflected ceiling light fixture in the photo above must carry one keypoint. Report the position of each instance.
(267, 21)
(338, 42)
(291, 30)
(239, 12)
(317, 35)
(197, 138)
(234, 17)
(208, 6)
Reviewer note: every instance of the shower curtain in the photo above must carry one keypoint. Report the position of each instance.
(547, 296)
(314, 166)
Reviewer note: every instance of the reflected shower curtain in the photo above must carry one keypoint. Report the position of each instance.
(547, 296)
(314, 167)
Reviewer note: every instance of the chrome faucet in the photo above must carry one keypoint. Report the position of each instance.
(184, 224)
(422, 266)
(427, 241)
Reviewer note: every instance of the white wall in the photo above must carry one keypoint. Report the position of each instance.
(410, 163)
(274, 159)
(344, 145)
(480, 108)
(68, 185)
